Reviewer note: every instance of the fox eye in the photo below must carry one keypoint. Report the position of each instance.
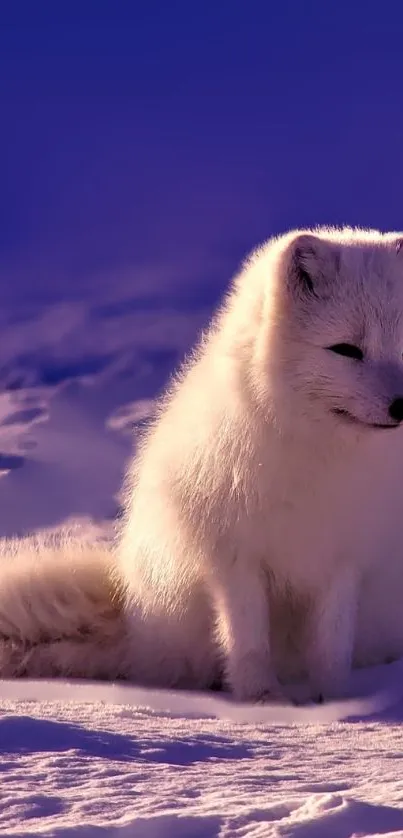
(348, 350)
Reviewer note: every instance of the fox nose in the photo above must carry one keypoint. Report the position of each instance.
(396, 410)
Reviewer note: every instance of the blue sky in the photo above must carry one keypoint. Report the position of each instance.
(173, 136)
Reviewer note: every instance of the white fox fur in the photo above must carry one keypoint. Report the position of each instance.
(60, 611)
(262, 534)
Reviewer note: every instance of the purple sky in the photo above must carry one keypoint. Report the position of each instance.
(173, 136)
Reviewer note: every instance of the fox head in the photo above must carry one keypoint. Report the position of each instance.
(330, 342)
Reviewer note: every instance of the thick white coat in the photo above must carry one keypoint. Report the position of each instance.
(262, 535)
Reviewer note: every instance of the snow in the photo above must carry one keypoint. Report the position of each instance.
(89, 760)
(95, 759)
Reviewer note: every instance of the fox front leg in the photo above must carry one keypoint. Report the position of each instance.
(243, 632)
(330, 637)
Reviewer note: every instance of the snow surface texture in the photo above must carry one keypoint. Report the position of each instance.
(89, 760)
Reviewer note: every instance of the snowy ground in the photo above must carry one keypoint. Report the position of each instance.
(89, 760)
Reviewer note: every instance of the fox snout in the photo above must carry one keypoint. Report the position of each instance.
(395, 409)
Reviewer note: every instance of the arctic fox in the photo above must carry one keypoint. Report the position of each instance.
(263, 508)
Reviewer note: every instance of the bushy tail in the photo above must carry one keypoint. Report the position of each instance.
(60, 610)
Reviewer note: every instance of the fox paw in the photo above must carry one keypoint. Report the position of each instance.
(272, 694)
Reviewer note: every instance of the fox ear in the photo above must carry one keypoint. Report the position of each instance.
(312, 265)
